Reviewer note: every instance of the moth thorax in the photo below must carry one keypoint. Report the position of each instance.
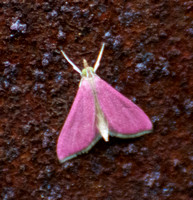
(87, 71)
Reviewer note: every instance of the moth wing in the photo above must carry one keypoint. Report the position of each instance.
(125, 119)
(78, 134)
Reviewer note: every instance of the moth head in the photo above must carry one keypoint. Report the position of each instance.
(87, 71)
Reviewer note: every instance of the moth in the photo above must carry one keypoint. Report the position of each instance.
(98, 111)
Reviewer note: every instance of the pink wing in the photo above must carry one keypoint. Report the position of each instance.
(124, 117)
(78, 134)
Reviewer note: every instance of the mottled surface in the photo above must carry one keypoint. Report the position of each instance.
(148, 58)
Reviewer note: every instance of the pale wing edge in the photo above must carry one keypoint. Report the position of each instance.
(97, 138)
(112, 134)
(127, 136)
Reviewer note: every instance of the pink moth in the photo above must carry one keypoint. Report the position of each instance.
(98, 111)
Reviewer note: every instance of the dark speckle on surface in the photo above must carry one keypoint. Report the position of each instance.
(148, 57)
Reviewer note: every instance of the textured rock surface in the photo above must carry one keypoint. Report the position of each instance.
(148, 58)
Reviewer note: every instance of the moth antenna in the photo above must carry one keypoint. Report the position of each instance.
(99, 58)
(70, 62)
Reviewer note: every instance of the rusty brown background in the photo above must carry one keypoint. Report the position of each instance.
(148, 57)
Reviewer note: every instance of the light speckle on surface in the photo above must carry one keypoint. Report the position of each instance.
(18, 26)
(152, 178)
